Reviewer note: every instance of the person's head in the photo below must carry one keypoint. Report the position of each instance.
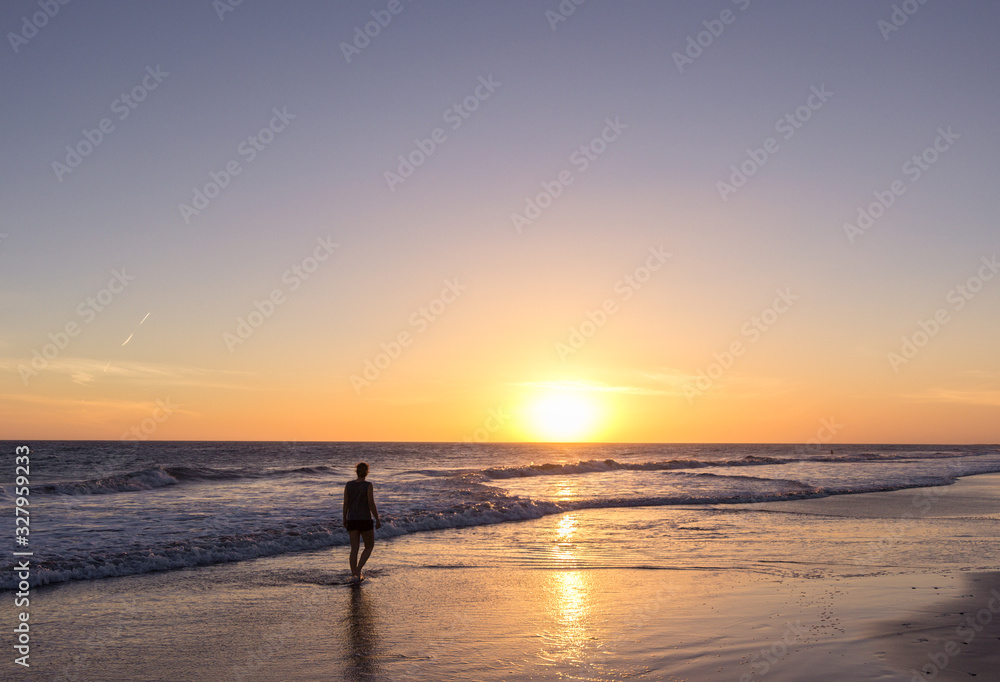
(362, 469)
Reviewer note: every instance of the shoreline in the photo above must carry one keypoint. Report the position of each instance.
(776, 591)
(923, 499)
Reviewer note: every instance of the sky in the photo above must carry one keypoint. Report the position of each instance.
(725, 221)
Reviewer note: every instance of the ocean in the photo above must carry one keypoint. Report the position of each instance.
(100, 510)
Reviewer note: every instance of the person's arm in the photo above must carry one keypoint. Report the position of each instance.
(371, 505)
(345, 506)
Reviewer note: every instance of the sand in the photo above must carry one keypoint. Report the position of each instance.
(467, 604)
(954, 638)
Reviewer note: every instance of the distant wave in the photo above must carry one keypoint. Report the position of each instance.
(595, 466)
(592, 466)
(164, 476)
(605, 465)
(161, 477)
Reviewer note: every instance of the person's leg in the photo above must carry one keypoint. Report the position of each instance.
(355, 544)
(369, 537)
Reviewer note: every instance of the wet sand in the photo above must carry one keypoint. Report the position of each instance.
(952, 639)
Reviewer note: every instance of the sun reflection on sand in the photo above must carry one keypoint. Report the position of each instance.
(570, 598)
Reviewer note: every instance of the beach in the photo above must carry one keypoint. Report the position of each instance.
(874, 586)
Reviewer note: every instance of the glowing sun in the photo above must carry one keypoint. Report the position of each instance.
(563, 417)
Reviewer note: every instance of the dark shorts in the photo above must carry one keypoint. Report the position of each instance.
(360, 525)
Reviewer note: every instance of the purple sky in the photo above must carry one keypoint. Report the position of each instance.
(210, 85)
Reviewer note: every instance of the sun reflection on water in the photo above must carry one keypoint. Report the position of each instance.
(566, 527)
(563, 550)
(564, 490)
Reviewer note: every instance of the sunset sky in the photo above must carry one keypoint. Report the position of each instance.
(316, 228)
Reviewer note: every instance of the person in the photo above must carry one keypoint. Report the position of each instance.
(359, 507)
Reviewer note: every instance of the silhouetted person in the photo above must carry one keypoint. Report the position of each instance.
(359, 507)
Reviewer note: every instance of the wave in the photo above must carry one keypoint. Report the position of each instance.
(605, 465)
(215, 548)
(225, 547)
(164, 476)
(463, 499)
(479, 505)
(161, 477)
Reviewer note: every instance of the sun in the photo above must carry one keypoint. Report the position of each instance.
(563, 416)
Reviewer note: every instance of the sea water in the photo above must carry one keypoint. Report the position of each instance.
(105, 509)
